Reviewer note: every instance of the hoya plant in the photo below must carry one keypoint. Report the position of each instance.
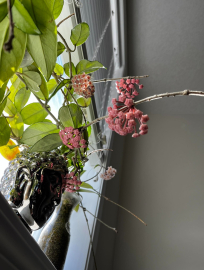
(29, 48)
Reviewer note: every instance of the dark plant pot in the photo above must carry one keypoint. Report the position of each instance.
(55, 237)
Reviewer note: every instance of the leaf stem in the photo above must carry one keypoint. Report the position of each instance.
(65, 19)
(8, 45)
(100, 195)
(84, 209)
(65, 43)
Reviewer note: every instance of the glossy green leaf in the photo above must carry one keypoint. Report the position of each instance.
(38, 131)
(89, 131)
(85, 102)
(23, 20)
(4, 131)
(10, 108)
(88, 66)
(16, 125)
(58, 69)
(80, 33)
(51, 85)
(21, 98)
(16, 83)
(32, 79)
(86, 185)
(10, 62)
(60, 48)
(48, 143)
(97, 166)
(33, 113)
(76, 208)
(60, 85)
(70, 115)
(3, 8)
(67, 69)
(42, 48)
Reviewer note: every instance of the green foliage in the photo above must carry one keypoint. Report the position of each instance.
(16, 124)
(21, 98)
(2, 105)
(70, 116)
(38, 131)
(67, 69)
(10, 62)
(4, 131)
(10, 108)
(55, 7)
(23, 20)
(3, 8)
(42, 48)
(58, 69)
(79, 34)
(48, 143)
(85, 102)
(51, 85)
(60, 48)
(76, 208)
(85, 185)
(88, 66)
(33, 113)
(59, 86)
(2, 91)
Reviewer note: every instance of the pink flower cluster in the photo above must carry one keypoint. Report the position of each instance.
(70, 182)
(109, 174)
(82, 85)
(72, 138)
(122, 117)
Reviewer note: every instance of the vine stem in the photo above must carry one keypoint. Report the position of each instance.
(65, 19)
(173, 94)
(8, 45)
(116, 79)
(87, 222)
(65, 43)
(114, 229)
(41, 103)
(106, 198)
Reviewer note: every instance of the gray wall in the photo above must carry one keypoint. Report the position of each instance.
(162, 172)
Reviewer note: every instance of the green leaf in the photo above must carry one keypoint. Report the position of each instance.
(33, 113)
(85, 185)
(51, 85)
(38, 131)
(88, 66)
(48, 143)
(12, 146)
(16, 83)
(70, 115)
(60, 85)
(2, 106)
(67, 70)
(23, 20)
(10, 62)
(42, 48)
(55, 6)
(85, 190)
(89, 131)
(3, 8)
(16, 125)
(85, 102)
(10, 108)
(76, 208)
(80, 33)
(21, 98)
(4, 131)
(2, 91)
(42, 92)
(58, 69)
(32, 79)
(97, 166)
(60, 48)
